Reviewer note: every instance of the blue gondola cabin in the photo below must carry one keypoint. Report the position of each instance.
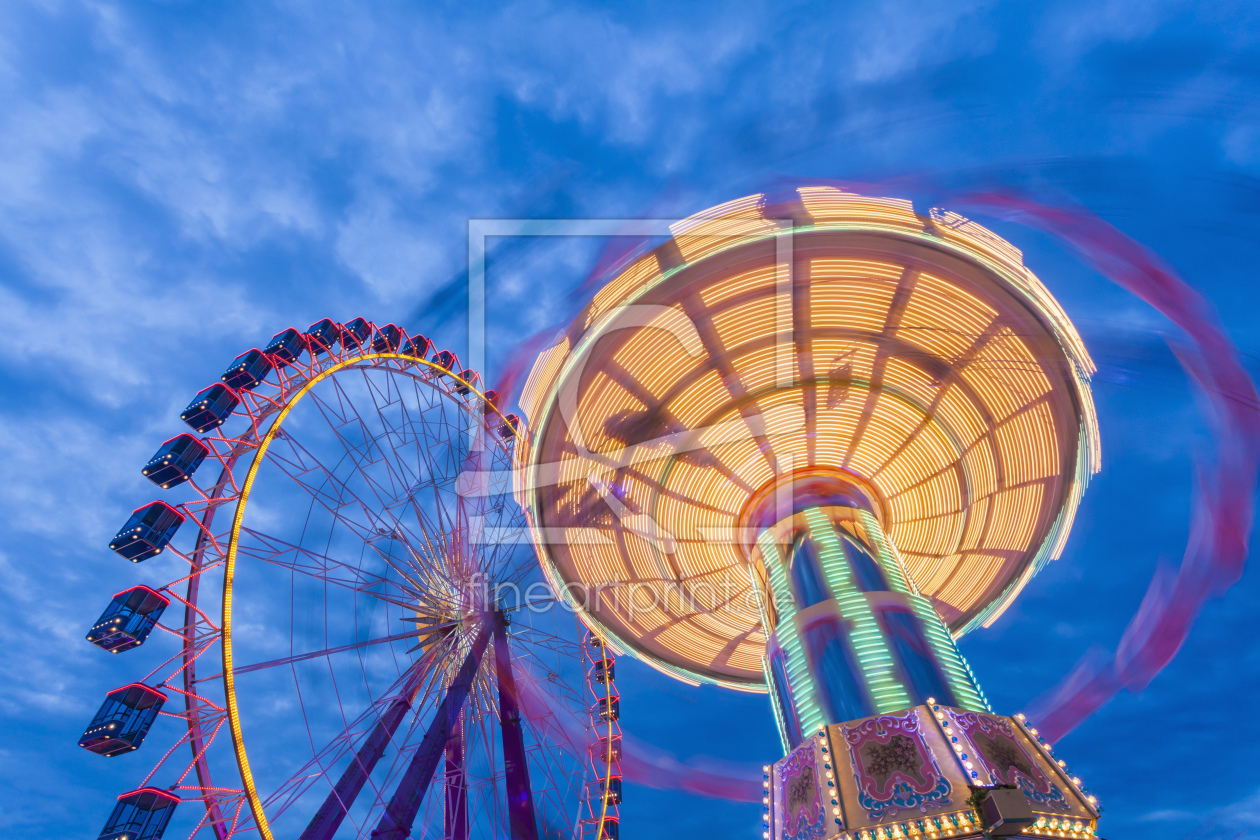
(123, 720)
(176, 461)
(140, 815)
(210, 408)
(491, 405)
(612, 790)
(355, 333)
(388, 339)
(608, 708)
(147, 532)
(604, 671)
(417, 346)
(128, 619)
(286, 347)
(323, 336)
(600, 751)
(248, 370)
(510, 424)
(612, 826)
(469, 381)
(445, 359)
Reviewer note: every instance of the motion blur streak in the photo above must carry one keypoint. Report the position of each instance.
(641, 762)
(1224, 506)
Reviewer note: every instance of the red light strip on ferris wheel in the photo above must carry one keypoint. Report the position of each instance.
(604, 753)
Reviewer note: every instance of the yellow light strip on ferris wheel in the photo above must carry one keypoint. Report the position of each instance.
(229, 568)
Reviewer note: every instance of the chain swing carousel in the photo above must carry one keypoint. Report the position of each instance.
(801, 448)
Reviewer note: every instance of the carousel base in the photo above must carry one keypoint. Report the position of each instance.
(926, 772)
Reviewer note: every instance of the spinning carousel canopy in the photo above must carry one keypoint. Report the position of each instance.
(774, 345)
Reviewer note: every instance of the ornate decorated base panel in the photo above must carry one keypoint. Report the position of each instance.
(915, 773)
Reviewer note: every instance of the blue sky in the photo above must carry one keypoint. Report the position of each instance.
(179, 181)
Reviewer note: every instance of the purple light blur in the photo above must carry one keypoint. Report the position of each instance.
(641, 762)
(1222, 509)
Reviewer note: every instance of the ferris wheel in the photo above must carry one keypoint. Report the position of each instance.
(354, 635)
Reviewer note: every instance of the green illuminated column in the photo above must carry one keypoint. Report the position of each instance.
(848, 635)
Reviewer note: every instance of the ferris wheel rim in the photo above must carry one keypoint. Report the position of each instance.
(228, 673)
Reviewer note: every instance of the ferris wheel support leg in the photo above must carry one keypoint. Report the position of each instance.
(401, 811)
(520, 798)
(456, 786)
(329, 816)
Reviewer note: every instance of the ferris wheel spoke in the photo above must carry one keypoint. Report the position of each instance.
(568, 645)
(451, 535)
(434, 540)
(509, 562)
(433, 423)
(328, 570)
(373, 453)
(427, 544)
(444, 525)
(505, 571)
(386, 501)
(401, 435)
(292, 789)
(430, 689)
(302, 657)
(425, 591)
(436, 535)
(556, 690)
(418, 682)
(548, 777)
(426, 560)
(573, 739)
(335, 412)
(305, 464)
(549, 643)
(353, 779)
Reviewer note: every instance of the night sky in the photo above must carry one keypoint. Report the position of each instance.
(179, 181)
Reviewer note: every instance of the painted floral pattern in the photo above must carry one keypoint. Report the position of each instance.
(895, 769)
(803, 815)
(998, 748)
